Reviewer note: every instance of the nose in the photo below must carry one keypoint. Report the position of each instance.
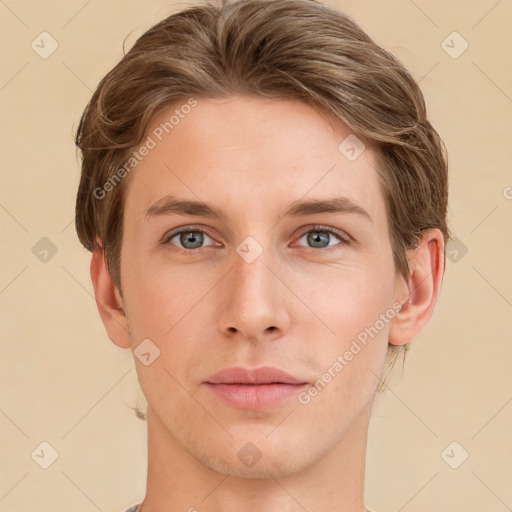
(254, 301)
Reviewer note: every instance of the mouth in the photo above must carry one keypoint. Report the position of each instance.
(258, 388)
(254, 396)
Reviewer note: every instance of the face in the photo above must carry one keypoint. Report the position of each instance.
(285, 262)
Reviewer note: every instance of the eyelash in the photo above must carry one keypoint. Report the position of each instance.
(343, 237)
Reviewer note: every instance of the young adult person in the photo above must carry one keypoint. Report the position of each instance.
(265, 202)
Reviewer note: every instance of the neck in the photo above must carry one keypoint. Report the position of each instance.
(176, 480)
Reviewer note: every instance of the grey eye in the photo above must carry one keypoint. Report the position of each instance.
(320, 238)
(190, 239)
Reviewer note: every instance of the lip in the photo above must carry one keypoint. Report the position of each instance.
(261, 375)
(257, 388)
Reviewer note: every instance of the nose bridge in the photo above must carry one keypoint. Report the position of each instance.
(252, 255)
(252, 281)
(252, 301)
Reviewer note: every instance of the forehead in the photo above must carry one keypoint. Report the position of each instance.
(253, 156)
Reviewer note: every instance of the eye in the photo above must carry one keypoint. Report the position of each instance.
(320, 237)
(187, 239)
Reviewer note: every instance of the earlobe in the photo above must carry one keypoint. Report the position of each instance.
(109, 301)
(422, 289)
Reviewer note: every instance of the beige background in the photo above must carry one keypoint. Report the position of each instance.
(64, 383)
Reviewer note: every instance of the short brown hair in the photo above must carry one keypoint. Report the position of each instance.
(276, 49)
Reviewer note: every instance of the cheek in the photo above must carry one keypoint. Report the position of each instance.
(348, 299)
(155, 302)
(350, 362)
(357, 308)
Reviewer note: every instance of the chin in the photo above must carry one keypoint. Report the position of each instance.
(256, 456)
(271, 467)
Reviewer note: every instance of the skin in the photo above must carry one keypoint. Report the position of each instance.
(212, 310)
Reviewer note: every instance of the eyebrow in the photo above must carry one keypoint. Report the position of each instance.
(169, 205)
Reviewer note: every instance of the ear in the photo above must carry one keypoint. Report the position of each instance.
(418, 294)
(109, 301)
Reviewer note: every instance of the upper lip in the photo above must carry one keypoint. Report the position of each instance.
(261, 375)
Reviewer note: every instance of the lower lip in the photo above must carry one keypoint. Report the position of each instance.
(254, 396)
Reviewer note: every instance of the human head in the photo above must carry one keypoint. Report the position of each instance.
(274, 50)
